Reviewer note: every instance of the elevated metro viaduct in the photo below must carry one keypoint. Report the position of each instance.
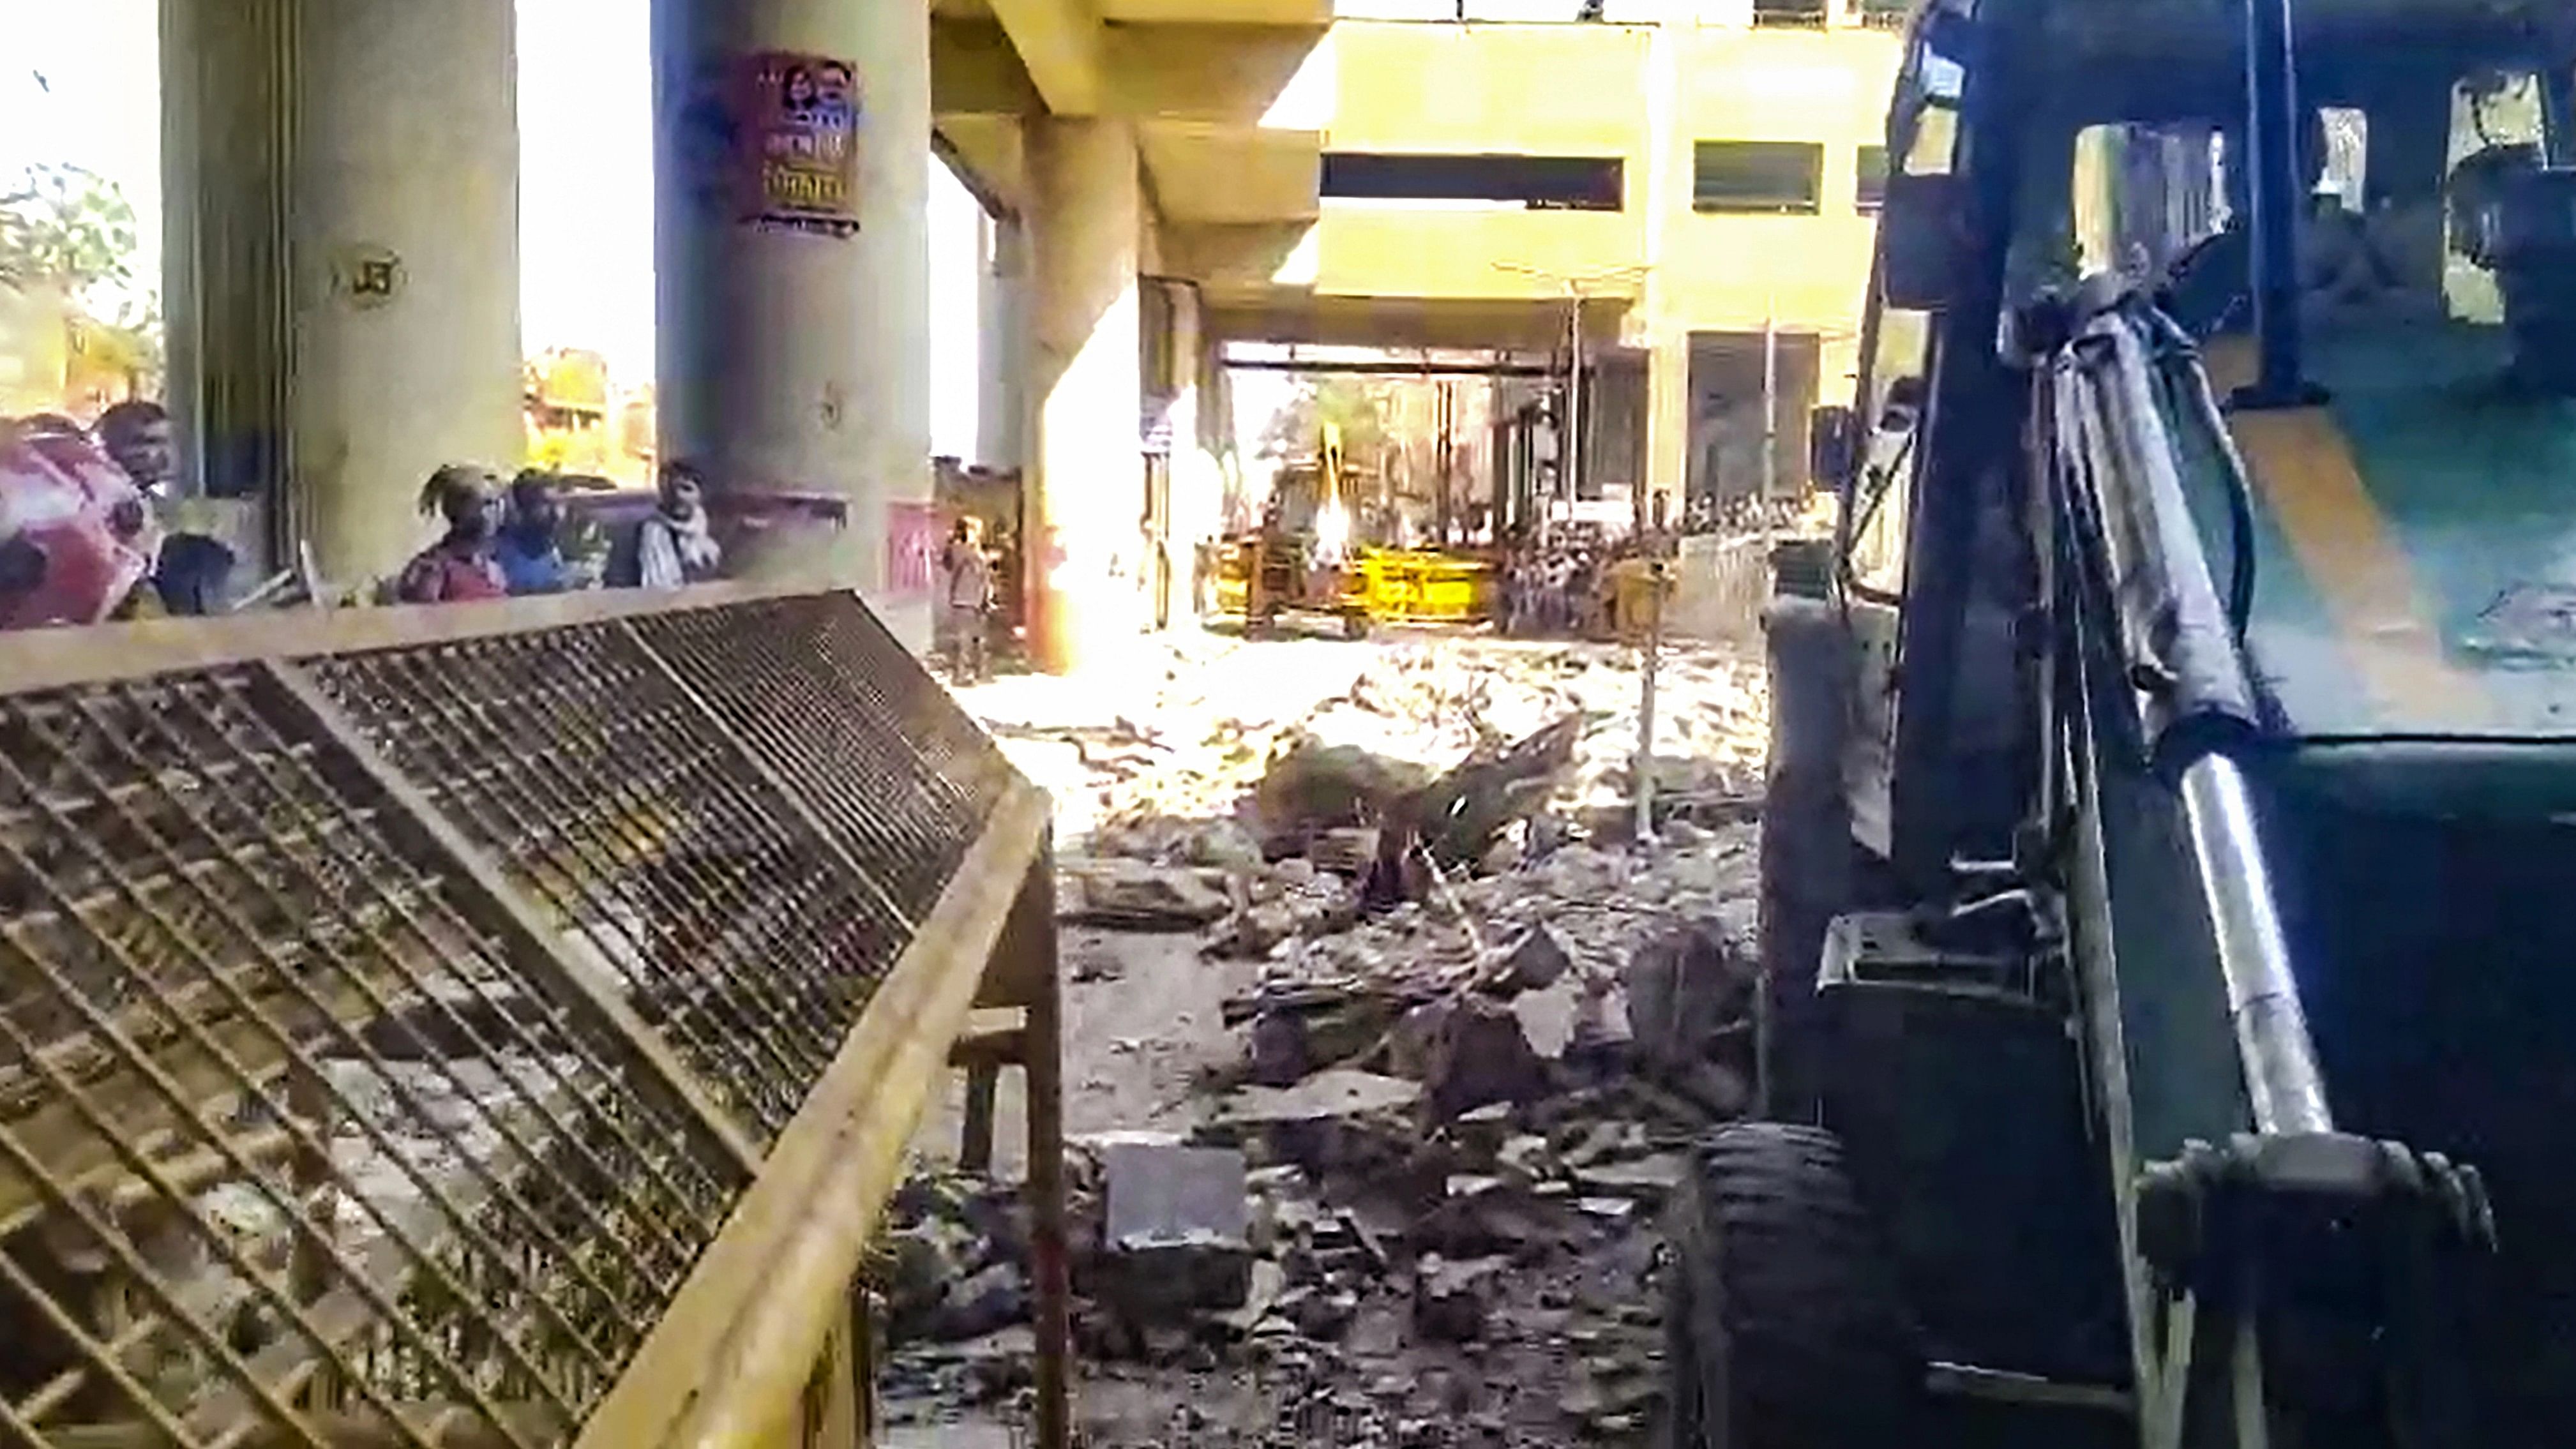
(1164, 175)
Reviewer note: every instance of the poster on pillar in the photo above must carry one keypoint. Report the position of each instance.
(915, 537)
(801, 142)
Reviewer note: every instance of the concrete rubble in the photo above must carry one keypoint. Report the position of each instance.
(1458, 1064)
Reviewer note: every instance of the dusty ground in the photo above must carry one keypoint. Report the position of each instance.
(1556, 1190)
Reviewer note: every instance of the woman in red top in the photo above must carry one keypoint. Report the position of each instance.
(459, 567)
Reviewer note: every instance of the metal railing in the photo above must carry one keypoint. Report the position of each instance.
(415, 1024)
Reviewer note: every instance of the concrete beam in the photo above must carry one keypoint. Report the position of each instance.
(975, 71)
(1061, 43)
(990, 154)
(1207, 72)
(984, 65)
(1406, 322)
(1229, 256)
(1211, 172)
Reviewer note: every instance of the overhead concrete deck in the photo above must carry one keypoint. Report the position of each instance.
(1234, 104)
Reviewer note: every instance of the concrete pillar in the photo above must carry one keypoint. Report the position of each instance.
(227, 140)
(1668, 426)
(1086, 467)
(1198, 487)
(405, 239)
(1001, 414)
(793, 359)
(1665, 337)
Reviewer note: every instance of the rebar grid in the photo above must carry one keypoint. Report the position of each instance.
(304, 1141)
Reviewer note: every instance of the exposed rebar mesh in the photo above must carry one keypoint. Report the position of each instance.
(316, 1129)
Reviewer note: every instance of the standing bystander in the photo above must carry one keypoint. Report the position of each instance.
(528, 549)
(195, 566)
(969, 595)
(674, 545)
(458, 567)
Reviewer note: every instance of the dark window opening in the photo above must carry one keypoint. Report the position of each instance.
(1802, 14)
(1782, 178)
(1557, 183)
(1870, 190)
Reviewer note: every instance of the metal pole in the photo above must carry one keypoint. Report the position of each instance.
(1770, 407)
(2283, 1087)
(2271, 83)
(1049, 1253)
(1573, 443)
(1644, 768)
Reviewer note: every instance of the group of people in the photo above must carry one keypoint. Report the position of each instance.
(1553, 588)
(500, 543)
(91, 527)
(94, 527)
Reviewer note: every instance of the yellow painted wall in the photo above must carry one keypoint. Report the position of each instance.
(1565, 89)
(1776, 85)
(1590, 89)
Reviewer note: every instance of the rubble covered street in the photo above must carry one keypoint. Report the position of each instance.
(1385, 1042)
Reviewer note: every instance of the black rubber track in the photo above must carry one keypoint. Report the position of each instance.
(1785, 1326)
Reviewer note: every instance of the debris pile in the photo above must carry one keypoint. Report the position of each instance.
(1196, 728)
(1471, 1028)
(1432, 1201)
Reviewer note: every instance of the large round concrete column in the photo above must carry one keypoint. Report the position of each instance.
(1668, 427)
(405, 232)
(1001, 413)
(796, 361)
(1086, 462)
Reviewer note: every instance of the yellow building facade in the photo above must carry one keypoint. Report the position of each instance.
(1694, 180)
(1700, 181)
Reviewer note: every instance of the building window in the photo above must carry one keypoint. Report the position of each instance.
(1885, 14)
(1870, 188)
(1778, 178)
(1550, 183)
(1800, 14)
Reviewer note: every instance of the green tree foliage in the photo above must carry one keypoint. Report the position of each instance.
(69, 230)
(66, 227)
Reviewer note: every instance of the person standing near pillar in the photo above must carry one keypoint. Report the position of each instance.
(674, 545)
(459, 567)
(194, 567)
(968, 587)
(791, 263)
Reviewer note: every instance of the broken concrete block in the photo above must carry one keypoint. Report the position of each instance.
(1552, 1017)
(981, 1303)
(1341, 1092)
(1535, 961)
(1276, 1049)
(1685, 990)
(1647, 1179)
(1177, 1235)
(1348, 850)
(1132, 895)
(1451, 1300)
(1467, 1052)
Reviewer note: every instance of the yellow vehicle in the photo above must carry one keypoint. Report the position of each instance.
(1302, 559)
(1312, 554)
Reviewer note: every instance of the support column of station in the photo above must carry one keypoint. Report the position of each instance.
(1085, 471)
(344, 259)
(1667, 345)
(1198, 493)
(1001, 412)
(1668, 426)
(792, 361)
